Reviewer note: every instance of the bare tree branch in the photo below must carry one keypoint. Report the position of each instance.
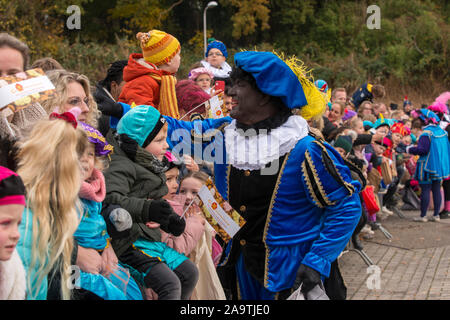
(164, 12)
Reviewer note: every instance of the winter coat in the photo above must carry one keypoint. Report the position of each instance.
(132, 187)
(188, 240)
(140, 88)
(24, 248)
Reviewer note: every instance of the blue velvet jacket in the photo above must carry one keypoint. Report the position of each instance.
(314, 207)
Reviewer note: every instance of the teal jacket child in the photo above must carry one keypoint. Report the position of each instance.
(116, 284)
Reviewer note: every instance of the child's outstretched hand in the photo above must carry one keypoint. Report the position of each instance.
(191, 165)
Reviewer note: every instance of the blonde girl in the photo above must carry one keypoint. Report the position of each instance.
(114, 282)
(72, 90)
(190, 185)
(207, 253)
(49, 167)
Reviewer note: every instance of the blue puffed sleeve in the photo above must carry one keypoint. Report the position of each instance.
(329, 186)
(325, 175)
(180, 133)
(113, 121)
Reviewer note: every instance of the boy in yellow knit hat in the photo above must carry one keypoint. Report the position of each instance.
(150, 76)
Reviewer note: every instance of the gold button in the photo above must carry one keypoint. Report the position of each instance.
(247, 173)
(242, 208)
(242, 242)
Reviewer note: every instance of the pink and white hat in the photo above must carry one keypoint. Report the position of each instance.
(194, 73)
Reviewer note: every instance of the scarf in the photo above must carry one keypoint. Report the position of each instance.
(141, 156)
(168, 104)
(94, 188)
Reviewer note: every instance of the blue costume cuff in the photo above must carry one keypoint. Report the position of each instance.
(319, 264)
(113, 121)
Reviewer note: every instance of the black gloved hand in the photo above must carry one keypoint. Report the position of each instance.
(176, 225)
(159, 211)
(107, 105)
(308, 277)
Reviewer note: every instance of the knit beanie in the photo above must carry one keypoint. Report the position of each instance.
(158, 47)
(344, 142)
(142, 124)
(12, 189)
(190, 95)
(217, 45)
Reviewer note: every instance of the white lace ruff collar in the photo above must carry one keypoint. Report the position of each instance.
(253, 150)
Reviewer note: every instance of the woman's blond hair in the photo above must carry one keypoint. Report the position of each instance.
(49, 167)
(61, 79)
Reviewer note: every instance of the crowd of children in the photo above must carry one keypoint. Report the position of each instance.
(88, 181)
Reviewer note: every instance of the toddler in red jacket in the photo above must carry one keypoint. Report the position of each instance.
(150, 76)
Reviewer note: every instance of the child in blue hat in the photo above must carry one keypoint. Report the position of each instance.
(136, 181)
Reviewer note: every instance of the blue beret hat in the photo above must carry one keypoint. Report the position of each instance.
(273, 76)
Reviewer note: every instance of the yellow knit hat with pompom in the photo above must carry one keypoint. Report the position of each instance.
(158, 47)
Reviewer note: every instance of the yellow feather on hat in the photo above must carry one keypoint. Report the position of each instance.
(316, 101)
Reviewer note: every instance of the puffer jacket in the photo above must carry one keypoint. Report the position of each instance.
(132, 187)
(140, 88)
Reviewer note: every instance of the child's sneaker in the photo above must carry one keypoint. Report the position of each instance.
(367, 230)
(387, 211)
(420, 219)
(435, 218)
